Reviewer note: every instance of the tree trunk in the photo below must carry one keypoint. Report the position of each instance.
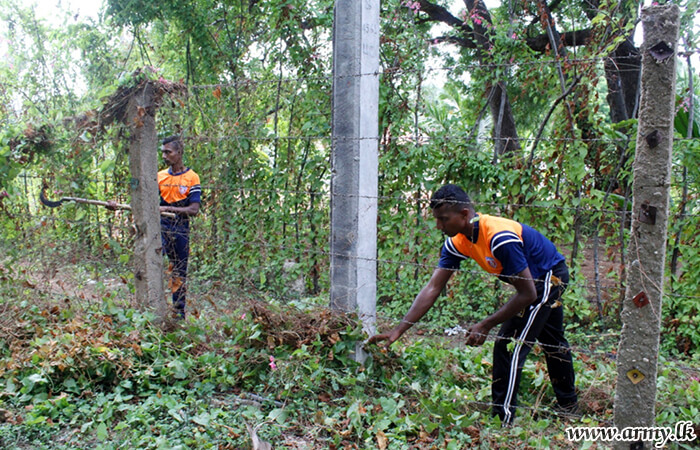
(635, 391)
(143, 163)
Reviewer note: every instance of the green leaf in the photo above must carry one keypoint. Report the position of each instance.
(101, 432)
(34, 420)
(85, 426)
(107, 166)
(202, 419)
(179, 370)
(10, 386)
(680, 123)
(279, 415)
(175, 414)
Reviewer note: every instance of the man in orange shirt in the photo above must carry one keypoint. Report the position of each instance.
(518, 255)
(180, 193)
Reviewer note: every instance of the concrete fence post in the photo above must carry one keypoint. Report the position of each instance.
(354, 160)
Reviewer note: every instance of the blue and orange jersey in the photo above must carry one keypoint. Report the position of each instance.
(179, 189)
(502, 247)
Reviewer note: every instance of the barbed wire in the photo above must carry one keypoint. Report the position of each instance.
(430, 267)
(325, 193)
(76, 222)
(408, 199)
(260, 295)
(124, 181)
(128, 228)
(442, 332)
(461, 67)
(399, 199)
(454, 333)
(411, 138)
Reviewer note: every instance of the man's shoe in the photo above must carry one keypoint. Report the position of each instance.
(568, 410)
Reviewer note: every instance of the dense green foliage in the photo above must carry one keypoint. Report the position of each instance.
(102, 377)
(256, 119)
(257, 124)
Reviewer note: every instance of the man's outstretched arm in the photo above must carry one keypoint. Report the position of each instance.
(191, 210)
(423, 302)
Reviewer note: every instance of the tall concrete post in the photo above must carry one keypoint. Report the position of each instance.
(635, 394)
(354, 159)
(143, 164)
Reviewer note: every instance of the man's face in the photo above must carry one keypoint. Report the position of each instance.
(451, 221)
(170, 155)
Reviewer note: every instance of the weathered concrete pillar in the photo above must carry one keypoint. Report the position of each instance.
(354, 159)
(635, 394)
(143, 163)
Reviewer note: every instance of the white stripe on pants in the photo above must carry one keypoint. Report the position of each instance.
(513, 375)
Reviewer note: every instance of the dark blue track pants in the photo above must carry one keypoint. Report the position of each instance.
(176, 244)
(542, 322)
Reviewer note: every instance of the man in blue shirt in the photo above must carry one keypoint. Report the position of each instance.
(522, 257)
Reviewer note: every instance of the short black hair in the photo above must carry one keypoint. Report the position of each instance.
(453, 196)
(176, 142)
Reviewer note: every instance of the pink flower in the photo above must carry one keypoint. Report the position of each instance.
(273, 366)
(413, 6)
(513, 36)
(685, 104)
(243, 316)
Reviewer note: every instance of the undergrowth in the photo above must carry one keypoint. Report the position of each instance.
(101, 376)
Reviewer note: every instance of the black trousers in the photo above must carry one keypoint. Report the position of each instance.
(543, 322)
(176, 244)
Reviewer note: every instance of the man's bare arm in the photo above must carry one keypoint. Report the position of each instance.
(190, 210)
(423, 302)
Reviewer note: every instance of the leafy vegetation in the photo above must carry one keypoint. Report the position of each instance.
(100, 376)
(80, 366)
